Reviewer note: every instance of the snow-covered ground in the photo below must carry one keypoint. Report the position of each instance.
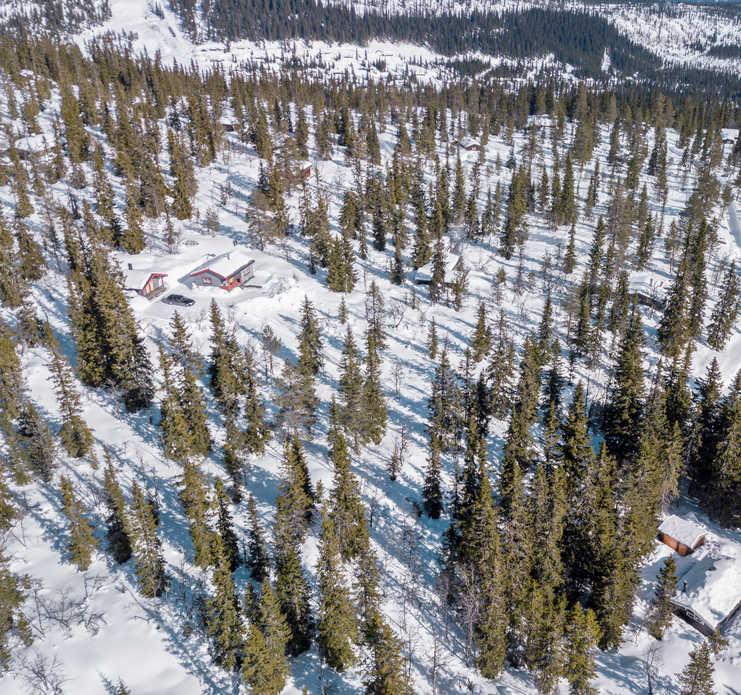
(151, 644)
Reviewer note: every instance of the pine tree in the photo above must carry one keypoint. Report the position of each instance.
(37, 442)
(75, 435)
(624, 414)
(82, 542)
(347, 513)
(13, 623)
(432, 494)
(481, 339)
(119, 543)
(310, 342)
(725, 312)
(708, 429)
(194, 498)
(351, 389)
(697, 677)
(582, 634)
(576, 453)
(373, 415)
(256, 433)
(432, 340)
(337, 625)
(223, 621)
(484, 554)
(386, 674)
(265, 667)
(150, 565)
(258, 559)
(661, 608)
(225, 526)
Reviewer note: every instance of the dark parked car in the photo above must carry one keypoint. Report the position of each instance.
(178, 300)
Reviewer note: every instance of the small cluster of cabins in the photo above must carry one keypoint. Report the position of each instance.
(226, 271)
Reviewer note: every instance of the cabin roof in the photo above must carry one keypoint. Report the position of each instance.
(467, 141)
(713, 576)
(225, 264)
(683, 530)
(136, 278)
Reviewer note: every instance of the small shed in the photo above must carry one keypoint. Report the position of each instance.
(680, 534)
(647, 290)
(147, 283)
(227, 270)
(469, 144)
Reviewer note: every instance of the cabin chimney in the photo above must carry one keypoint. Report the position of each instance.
(131, 267)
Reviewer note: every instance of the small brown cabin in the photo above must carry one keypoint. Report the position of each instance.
(681, 535)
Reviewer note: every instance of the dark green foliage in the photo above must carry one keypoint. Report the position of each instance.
(625, 409)
(697, 677)
(75, 434)
(347, 512)
(661, 608)
(337, 628)
(265, 668)
(148, 560)
(82, 542)
(725, 312)
(223, 621)
(13, 591)
(225, 526)
(257, 553)
(582, 634)
(119, 543)
(37, 442)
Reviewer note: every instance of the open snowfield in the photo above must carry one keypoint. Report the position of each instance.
(154, 646)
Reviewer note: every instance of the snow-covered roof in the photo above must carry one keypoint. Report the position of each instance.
(136, 278)
(467, 141)
(683, 530)
(424, 274)
(713, 577)
(225, 264)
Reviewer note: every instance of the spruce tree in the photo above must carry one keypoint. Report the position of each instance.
(82, 542)
(625, 410)
(310, 342)
(13, 623)
(225, 525)
(725, 312)
(37, 442)
(223, 621)
(148, 560)
(661, 608)
(258, 559)
(373, 415)
(347, 513)
(386, 674)
(697, 676)
(432, 494)
(119, 543)
(582, 634)
(337, 628)
(75, 435)
(481, 338)
(194, 498)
